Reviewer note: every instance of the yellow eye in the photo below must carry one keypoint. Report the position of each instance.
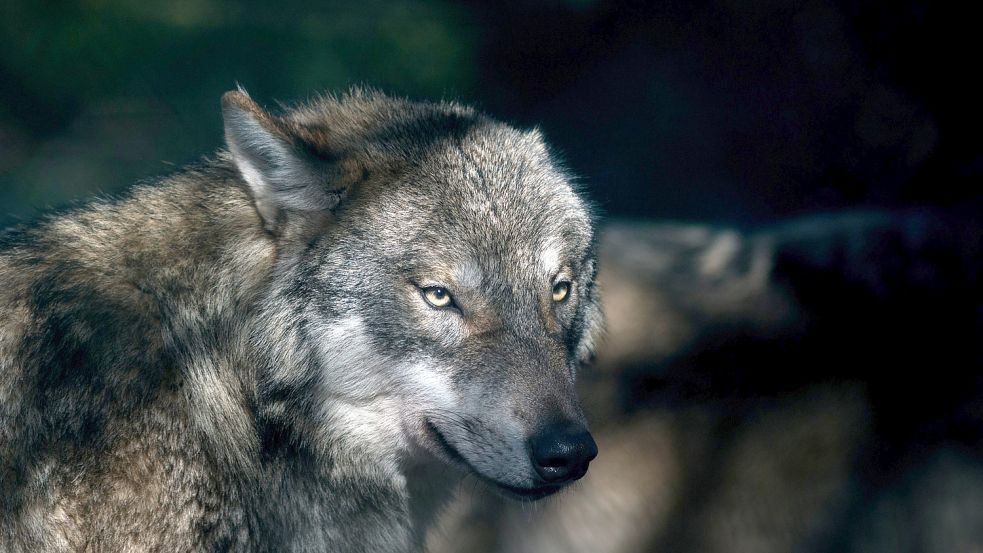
(560, 291)
(437, 296)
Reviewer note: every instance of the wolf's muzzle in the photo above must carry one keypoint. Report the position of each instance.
(561, 453)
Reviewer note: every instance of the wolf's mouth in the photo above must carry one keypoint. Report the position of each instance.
(526, 494)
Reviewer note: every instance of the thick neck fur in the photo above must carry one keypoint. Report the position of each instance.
(146, 330)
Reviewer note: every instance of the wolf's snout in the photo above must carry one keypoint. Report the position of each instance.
(561, 453)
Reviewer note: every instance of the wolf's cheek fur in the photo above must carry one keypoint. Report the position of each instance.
(591, 321)
(384, 401)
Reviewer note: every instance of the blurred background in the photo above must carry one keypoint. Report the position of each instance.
(791, 197)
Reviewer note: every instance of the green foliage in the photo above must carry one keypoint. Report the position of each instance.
(97, 93)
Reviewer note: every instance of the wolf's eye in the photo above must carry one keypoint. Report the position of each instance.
(437, 296)
(560, 291)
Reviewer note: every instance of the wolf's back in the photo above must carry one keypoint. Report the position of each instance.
(102, 409)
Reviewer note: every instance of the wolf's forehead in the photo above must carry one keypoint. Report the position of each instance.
(489, 202)
(479, 267)
(503, 181)
(518, 240)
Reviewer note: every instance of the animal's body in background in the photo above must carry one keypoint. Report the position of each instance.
(284, 347)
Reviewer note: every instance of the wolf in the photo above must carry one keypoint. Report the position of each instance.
(301, 343)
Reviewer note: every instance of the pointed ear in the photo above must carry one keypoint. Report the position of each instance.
(283, 174)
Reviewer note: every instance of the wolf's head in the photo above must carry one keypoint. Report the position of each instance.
(436, 265)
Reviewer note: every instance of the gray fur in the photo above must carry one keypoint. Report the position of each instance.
(238, 357)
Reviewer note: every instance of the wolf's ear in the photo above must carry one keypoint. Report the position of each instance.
(283, 173)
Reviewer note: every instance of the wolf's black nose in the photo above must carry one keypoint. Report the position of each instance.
(561, 453)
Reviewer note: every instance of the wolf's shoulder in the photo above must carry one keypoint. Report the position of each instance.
(88, 293)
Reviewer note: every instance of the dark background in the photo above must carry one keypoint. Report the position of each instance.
(740, 111)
